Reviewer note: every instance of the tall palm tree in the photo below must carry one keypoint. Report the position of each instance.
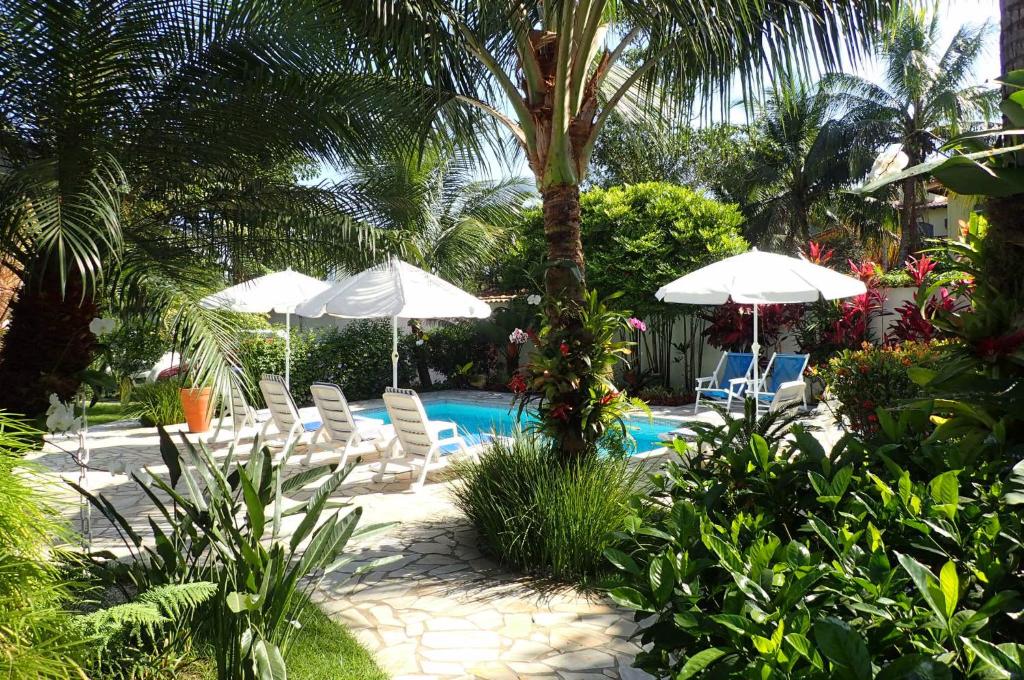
(555, 74)
(138, 146)
(435, 210)
(927, 95)
(802, 158)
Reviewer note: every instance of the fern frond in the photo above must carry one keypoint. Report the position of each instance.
(177, 599)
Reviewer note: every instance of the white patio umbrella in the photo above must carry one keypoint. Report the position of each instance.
(395, 290)
(758, 278)
(279, 292)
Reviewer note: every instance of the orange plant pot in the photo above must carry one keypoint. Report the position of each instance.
(195, 402)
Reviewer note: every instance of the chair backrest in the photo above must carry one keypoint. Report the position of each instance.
(279, 402)
(784, 396)
(241, 415)
(409, 420)
(334, 412)
(785, 368)
(737, 365)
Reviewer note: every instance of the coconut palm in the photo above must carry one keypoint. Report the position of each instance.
(926, 96)
(435, 210)
(555, 74)
(146, 143)
(802, 159)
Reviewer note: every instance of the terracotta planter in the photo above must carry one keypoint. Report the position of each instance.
(195, 402)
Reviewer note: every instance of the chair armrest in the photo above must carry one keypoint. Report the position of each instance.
(736, 385)
(706, 381)
(438, 426)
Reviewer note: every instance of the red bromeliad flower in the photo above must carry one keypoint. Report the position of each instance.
(919, 268)
(564, 348)
(517, 384)
(866, 271)
(609, 397)
(561, 411)
(817, 254)
(991, 349)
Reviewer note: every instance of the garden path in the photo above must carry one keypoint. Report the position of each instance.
(442, 610)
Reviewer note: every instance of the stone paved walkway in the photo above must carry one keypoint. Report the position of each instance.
(443, 610)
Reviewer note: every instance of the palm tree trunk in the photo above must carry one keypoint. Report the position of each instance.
(564, 276)
(1004, 243)
(47, 345)
(910, 241)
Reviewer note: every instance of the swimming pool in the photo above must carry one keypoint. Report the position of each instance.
(482, 418)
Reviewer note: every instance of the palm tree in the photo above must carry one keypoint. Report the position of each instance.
(433, 209)
(802, 158)
(145, 144)
(554, 74)
(926, 97)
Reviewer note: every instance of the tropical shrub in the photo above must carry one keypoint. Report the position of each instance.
(731, 326)
(540, 515)
(864, 380)
(357, 357)
(133, 346)
(157, 403)
(568, 382)
(225, 527)
(781, 560)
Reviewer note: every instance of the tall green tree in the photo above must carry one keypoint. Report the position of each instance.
(435, 209)
(556, 75)
(147, 144)
(800, 161)
(928, 94)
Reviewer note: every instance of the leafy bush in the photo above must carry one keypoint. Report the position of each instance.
(357, 357)
(134, 345)
(226, 527)
(779, 560)
(870, 378)
(37, 635)
(449, 346)
(539, 515)
(157, 403)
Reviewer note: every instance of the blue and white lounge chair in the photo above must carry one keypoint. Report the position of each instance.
(729, 381)
(783, 382)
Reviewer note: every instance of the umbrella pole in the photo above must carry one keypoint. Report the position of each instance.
(755, 347)
(288, 350)
(394, 351)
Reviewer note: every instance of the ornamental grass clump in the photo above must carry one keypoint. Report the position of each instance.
(541, 515)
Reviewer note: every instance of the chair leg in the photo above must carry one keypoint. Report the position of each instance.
(696, 403)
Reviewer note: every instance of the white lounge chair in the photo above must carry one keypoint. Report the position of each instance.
(417, 440)
(783, 382)
(351, 434)
(284, 415)
(729, 381)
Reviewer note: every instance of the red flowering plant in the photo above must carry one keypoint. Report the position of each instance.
(568, 382)
(731, 326)
(866, 379)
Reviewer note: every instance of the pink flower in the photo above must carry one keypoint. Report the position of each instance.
(518, 337)
(636, 324)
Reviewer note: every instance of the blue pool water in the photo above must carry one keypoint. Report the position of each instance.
(482, 418)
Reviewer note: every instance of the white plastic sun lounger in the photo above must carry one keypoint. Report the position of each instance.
(283, 413)
(417, 440)
(349, 434)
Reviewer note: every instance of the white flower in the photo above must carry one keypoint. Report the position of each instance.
(100, 326)
(518, 337)
(295, 624)
(533, 299)
(117, 468)
(60, 417)
(419, 342)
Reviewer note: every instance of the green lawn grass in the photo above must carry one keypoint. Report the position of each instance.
(324, 650)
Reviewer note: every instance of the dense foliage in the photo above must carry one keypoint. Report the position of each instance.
(871, 377)
(637, 238)
(539, 515)
(357, 357)
(157, 403)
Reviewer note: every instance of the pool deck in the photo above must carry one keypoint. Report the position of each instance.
(443, 610)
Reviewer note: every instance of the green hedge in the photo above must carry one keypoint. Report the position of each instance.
(356, 357)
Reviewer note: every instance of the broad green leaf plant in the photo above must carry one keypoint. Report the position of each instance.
(226, 523)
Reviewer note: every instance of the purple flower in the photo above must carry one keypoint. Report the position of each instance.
(518, 337)
(636, 324)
